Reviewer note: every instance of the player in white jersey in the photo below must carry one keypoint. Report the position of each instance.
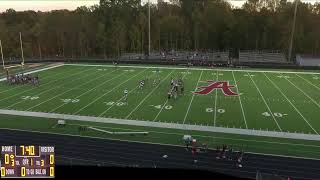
(126, 96)
(141, 84)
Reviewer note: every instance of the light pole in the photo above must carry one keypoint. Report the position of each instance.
(22, 56)
(149, 33)
(293, 29)
(2, 55)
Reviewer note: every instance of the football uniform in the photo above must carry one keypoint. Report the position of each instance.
(141, 84)
(126, 95)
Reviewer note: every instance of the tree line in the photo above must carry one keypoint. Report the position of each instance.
(117, 26)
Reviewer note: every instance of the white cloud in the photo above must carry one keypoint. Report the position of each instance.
(44, 5)
(47, 5)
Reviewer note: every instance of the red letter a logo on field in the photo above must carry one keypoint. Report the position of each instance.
(223, 85)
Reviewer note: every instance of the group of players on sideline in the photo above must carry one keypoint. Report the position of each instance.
(223, 152)
(21, 78)
(227, 153)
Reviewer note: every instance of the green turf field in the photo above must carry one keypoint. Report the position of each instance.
(279, 101)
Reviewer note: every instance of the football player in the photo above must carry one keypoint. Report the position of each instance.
(141, 84)
(125, 96)
(169, 94)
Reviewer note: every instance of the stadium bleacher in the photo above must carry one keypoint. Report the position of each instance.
(214, 56)
(132, 56)
(261, 57)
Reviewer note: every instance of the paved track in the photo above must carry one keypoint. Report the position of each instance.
(99, 152)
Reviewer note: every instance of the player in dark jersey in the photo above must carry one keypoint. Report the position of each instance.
(169, 95)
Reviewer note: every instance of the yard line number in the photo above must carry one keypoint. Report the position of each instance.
(286, 77)
(70, 100)
(29, 97)
(111, 103)
(210, 110)
(276, 114)
(167, 107)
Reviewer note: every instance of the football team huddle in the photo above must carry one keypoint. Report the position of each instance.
(22, 79)
(176, 87)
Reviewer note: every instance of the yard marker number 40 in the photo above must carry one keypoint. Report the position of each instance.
(111, 103)
(276, 114)
(70, 100)
(167, 107)
(29, 97)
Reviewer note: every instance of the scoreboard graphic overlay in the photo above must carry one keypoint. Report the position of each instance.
(27, 161)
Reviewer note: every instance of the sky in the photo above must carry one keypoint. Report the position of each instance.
(47, 5)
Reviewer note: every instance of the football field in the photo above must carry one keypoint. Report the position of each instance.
(233, 101)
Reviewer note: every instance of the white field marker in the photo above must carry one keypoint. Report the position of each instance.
(108, 92)
(148, 96)
(292, 104)
(185, 117)
(243, 114)
(265, 102)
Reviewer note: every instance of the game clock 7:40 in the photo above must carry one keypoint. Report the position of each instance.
(27, 151)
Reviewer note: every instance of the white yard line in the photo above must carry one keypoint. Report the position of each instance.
(116, 102)
(58, 95)
(203, 69)
(265, 102)
(165, 103)
(50, 82)
(243, 114)
(148, 95)
(108, 92)
(303, 92)
(52, 116)
(215, 103)
(186, 115)
(309, 82)
(38, 70)
(18, 102)
(292, 104)
(89, 89)
(10, 89)
(23, 100)
(32, 88)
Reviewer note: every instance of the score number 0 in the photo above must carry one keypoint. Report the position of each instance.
(51, 174)
(51, 163)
